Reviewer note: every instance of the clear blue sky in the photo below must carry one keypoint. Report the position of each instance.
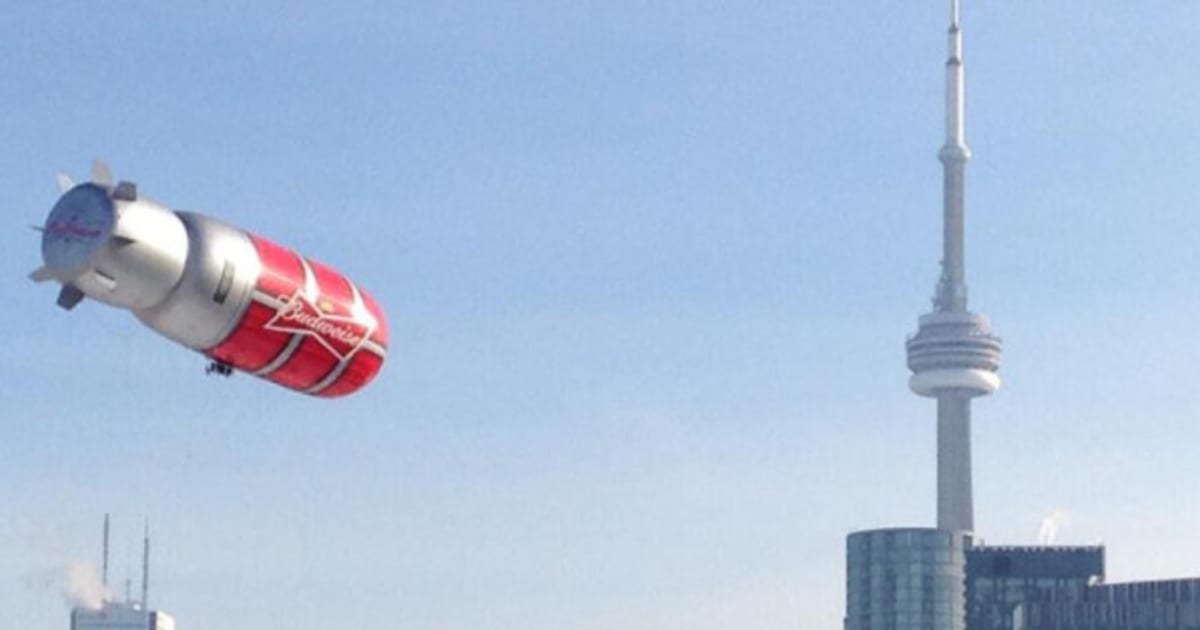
(649, 270)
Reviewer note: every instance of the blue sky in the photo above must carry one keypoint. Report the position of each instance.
(649, 269)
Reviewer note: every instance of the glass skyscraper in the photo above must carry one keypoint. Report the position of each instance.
(906, 579)
(1155, 605)
(1001, 579)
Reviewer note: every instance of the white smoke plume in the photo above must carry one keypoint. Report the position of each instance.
(1052, 523)
(82, 587)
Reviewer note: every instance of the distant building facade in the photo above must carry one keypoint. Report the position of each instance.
(1157, 605)
(906, 579)
(1001, 579)
(120, 616)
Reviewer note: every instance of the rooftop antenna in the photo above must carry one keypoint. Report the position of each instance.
(145, 563)
(128, 583)
(104, 570)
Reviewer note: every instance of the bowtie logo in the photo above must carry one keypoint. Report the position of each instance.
(340, 334)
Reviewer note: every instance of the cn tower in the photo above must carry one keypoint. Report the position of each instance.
(954, 356)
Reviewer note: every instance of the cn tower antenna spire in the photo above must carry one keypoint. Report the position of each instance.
(952, 287)
(954, 356)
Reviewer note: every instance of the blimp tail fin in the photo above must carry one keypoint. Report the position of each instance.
(69, 296)
(64, 183)
(41, 274)
(101, 174)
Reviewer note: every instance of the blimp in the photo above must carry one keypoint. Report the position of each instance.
(245, 302)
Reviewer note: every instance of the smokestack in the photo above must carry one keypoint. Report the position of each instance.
(104, 570)
(146, 564)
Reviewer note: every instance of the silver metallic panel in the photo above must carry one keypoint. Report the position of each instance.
(210, 299)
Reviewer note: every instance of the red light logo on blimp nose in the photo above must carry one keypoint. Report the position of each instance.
(68, 229)
(342, 335)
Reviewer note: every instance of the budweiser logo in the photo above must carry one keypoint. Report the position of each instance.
(68, 229)
(342, 335)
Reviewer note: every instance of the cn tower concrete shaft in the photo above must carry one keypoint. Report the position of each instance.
(954, 356)
(954, 506)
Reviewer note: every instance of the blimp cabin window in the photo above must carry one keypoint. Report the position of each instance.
(224, 283)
